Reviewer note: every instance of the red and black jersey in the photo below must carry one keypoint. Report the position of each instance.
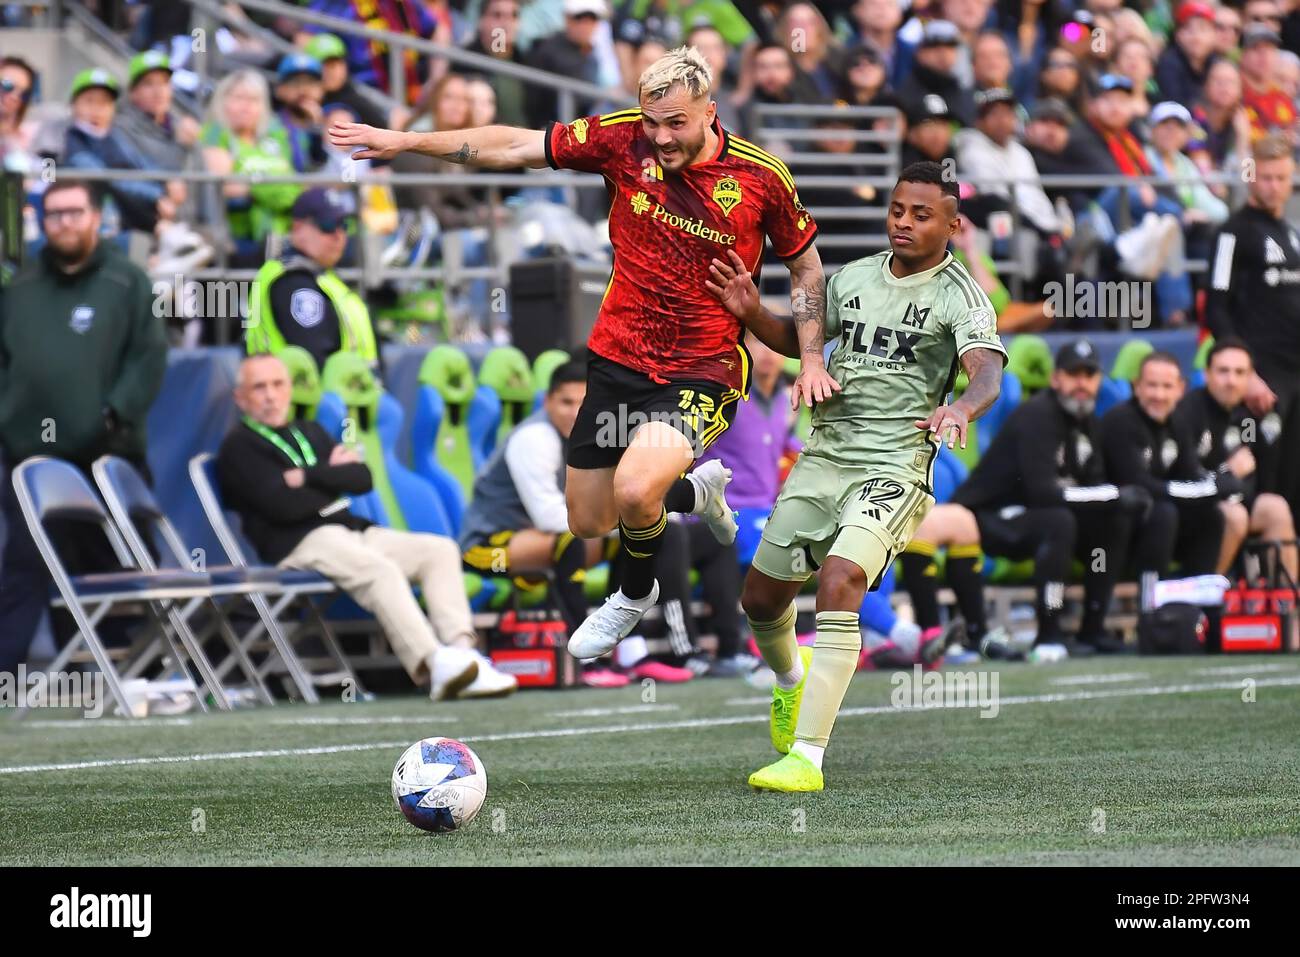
(657, 316)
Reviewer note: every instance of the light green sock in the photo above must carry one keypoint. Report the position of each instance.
(777, 644)
(839, 642)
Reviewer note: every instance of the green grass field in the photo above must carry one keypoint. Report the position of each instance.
(1113, 762)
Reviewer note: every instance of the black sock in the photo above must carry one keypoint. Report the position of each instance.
(639, 547)
(570, 570)
(680, 497)
(920, 580)
(963, 573)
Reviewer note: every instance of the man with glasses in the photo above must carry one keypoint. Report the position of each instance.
(298, 299)
(82, 357)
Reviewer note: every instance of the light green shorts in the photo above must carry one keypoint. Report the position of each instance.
(853, 513)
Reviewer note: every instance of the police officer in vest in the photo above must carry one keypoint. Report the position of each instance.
(298, 299)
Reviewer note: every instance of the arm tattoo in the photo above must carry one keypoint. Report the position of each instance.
(465, 154)
(808, 307)
(984, 370)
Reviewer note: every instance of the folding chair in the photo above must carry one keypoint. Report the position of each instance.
(293, 585)
(51, 489)
(142, 521)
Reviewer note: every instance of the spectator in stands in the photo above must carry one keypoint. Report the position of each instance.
(1047, 136)
(1224, 123)
(299, 300)
(929, 132)
(17, 82)
(1141, 224)
(990, 153)
(1040, 491)
(1012, 316)
(1269, 107)
(1133, 59)
(1129, 25)
(82, 357)
(646, 53)
(369, 60)
(875, 23)
(1254, 294)
(496, 36)
(1171, 131)
(1143, 444)
(669, 21)
(933, 73)
(774, 83)
(92, 142)
(1080, 36)
(836, 140)
(818, 57)
(969, 17)
(299, 96)
(517, 522)
(1224, 431)
(290, 484)
(337, 85)
(866, 82)
(1291, 29)
(168, 138)
(1227, 32)
(570, 52)
(1183, 66)
(1288, 74)
(991, 65)
(1062, 79)
(241, 135)
(708, 40)
(482, 101)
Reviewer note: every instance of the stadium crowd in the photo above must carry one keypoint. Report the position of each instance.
(1169, 481)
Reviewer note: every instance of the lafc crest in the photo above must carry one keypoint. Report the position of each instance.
(579, 127)
(726, 193)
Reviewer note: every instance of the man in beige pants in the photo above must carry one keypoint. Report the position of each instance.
(290, 482)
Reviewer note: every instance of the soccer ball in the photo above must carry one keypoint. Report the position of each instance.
(439, 784)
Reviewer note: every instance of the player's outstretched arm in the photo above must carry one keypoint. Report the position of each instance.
(984, 370)
(733, 286)
(487, 147)
(808, 307)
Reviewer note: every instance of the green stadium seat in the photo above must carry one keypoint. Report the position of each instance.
(1129, 360)
(305, 379)
(505, 371)
(447, 372)
(1029, 359)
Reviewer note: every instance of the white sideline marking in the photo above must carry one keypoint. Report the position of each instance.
(603, 712)
(632, 728)
(1243, 669)
(347, 722)
(1099, 679)
(144, 723)
(767, 699)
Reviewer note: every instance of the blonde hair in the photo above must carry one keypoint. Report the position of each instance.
(684, 67)
(250, 78)
(1272, 146)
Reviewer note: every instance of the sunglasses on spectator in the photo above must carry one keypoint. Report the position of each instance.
(9, 86)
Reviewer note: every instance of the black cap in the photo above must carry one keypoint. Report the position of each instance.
(929, 107)
(327, 209)
(1077, 355)
(985, 100)
(1259, 33)
(866, 53)
(1053, 110)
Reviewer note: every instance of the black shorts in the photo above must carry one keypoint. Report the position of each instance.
(619, 400)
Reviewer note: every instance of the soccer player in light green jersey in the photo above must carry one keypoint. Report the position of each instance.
(902, 322)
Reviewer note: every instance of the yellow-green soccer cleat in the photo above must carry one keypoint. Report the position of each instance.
(792, 773)
(785, 707)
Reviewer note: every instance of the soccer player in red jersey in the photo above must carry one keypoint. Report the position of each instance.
(667, 361)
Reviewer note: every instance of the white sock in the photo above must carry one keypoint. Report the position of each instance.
(786, 680)
(811, 752)
(700, 494)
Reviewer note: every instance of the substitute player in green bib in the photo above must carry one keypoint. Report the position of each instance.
(901, 321)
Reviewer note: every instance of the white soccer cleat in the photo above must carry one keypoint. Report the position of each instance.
(453, 670)
(610, 623)
(710, 481)
(490, 682)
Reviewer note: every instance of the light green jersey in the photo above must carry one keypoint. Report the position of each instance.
(898, 342)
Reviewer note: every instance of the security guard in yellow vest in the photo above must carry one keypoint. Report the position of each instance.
(298, 299)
